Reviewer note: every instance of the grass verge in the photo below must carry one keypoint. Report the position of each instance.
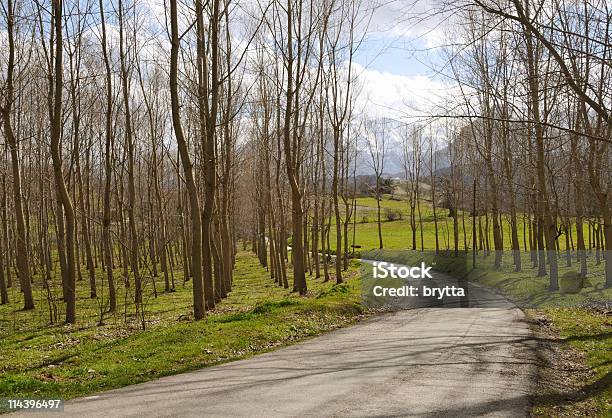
(575, 374)
(62, 361)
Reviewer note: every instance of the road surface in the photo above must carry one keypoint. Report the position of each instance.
(429, 362)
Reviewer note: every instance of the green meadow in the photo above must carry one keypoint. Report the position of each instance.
(65, 361)
(397, 233)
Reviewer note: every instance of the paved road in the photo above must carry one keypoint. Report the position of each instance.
(429, 362)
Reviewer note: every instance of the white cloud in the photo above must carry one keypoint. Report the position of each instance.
(421, 22)
(384, 94)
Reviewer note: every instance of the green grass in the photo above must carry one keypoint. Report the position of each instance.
(66, 361)
(588, 331)
(397, 234)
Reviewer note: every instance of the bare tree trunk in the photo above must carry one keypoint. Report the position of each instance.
(22, 258)
(335, 192)
(4, 299)
(129, 139)
(55, 116)
(292, 166)
(208, 118)
(108, 145)
(378, 220)
(433, 195)
(196, 225)
(545, 218)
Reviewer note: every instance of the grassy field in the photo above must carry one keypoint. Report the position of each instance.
(398, 235)
(38, 360)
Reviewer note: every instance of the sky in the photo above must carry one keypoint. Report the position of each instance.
(394, 62)
(398, 57)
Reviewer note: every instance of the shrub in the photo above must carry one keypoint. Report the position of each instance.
(392, 215)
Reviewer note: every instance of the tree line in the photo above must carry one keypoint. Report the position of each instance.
(540, 75)
(139, 151)
(130, 142)
(527, 135)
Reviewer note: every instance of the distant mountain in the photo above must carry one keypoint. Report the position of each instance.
(393, 166)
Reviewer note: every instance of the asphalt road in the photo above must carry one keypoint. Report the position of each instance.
(429, 362)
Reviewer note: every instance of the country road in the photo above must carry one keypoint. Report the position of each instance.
(428, 362)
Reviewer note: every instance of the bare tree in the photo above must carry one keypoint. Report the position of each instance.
(6, 109)
(376, 137)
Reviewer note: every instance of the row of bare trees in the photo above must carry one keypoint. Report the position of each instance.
(301, 112)
(138, 145)
(138, 142)
(94, 187)
(541, 75)
(528, 132)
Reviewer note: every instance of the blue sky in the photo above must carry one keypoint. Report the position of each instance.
(393, 55)
(396, 57)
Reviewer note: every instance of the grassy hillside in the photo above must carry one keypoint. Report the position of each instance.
(397, 233)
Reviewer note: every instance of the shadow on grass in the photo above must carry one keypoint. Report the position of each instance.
(599, 336)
